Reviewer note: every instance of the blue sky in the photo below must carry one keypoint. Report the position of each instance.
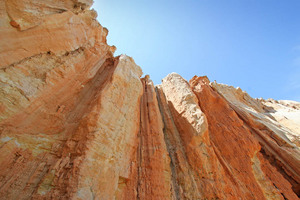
(253, 44)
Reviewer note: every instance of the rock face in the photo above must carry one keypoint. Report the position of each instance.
(78, 123)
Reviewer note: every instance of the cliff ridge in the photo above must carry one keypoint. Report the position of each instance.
(78, 123)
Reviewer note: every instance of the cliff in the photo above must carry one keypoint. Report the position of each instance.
(78, 123)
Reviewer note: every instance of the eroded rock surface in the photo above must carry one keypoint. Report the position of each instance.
(78, 123)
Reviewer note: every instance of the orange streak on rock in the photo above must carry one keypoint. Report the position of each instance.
(154, 173)
(235, 143)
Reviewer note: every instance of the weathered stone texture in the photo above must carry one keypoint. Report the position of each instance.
(78, 123)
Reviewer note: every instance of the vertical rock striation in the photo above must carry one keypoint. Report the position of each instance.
(92, 148)
(230, 135)
(187, 137)
(272, 136)
(78, 123)
(69, 109)
(154, 172)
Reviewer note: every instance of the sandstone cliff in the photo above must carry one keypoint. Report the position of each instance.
(78, 123)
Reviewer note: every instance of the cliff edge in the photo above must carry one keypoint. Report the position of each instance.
(78, 123)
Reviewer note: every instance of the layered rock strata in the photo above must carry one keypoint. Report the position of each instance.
(78, 123)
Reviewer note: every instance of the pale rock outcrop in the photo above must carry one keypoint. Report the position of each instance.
(286, 113)
(25, 14)
(64, 47)
(178, 92)
(59, 31)
(261, 114)
(111, 128)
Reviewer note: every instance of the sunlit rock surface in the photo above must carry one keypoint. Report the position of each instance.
(78, 123)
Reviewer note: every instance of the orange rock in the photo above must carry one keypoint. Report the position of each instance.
(238, 146)
(272, 136)
(78, 123)
(197, 172)
(154, 172)
(57, 32)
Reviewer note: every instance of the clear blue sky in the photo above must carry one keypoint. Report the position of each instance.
(253, 44)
